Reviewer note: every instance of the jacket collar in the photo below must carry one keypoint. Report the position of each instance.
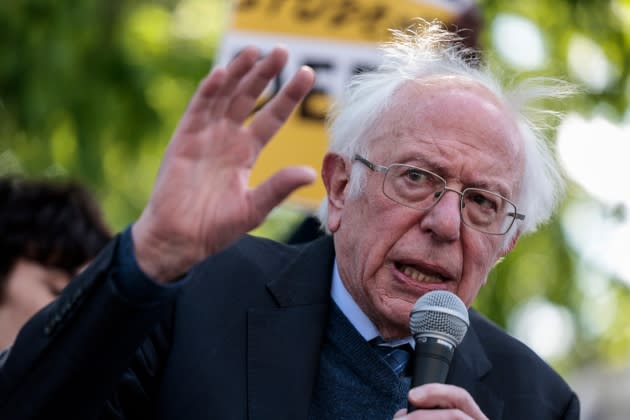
(306, 279)
(284, 342)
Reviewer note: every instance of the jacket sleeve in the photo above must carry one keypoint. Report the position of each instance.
(572, 411)
(68, 360)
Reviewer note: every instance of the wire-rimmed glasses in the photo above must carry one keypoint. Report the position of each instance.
(419, 189)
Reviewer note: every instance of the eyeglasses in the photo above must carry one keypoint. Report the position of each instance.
(419, 189)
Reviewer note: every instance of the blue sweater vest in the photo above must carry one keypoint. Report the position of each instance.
(354, 382)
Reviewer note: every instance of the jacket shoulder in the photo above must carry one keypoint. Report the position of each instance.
(249, 255)
(521, 376)
(504, 349)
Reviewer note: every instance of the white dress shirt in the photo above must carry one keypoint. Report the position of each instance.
(355, 315)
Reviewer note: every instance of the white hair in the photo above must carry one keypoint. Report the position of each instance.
(428, 50)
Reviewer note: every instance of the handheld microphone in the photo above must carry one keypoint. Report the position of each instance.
(438, 323)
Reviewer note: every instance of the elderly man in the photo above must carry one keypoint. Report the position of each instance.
(432, 175)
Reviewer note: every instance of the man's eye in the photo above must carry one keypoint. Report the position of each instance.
(484, 201)
(415, 175)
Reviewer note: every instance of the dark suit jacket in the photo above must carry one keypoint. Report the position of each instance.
(241, 340)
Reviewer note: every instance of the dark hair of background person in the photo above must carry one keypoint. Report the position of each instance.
(57, 225)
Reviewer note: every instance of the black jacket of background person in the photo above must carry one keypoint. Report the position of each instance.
(240, 340)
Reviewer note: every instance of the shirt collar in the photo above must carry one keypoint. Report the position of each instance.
(355, 315)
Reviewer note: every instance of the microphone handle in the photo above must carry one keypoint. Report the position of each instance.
(432, 359)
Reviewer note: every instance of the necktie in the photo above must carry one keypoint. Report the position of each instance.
(396, 357)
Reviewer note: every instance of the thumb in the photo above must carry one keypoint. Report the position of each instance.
(278, 187)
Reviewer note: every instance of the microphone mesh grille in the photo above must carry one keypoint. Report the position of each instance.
(439, 314)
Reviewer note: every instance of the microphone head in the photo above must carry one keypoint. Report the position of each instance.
(439, 314)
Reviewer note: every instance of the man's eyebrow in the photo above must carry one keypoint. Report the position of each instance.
(422, 163)
(437, 168)
(495, 187)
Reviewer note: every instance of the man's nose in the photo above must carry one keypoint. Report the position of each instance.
(444, 218)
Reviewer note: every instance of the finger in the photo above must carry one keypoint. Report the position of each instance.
(432, 415)
(275, 113)
(400, 414)
(210, 96)
(207, 88)
(278, 187)
(445, 396)
(438, 414)
(254, 83)
(196, 114)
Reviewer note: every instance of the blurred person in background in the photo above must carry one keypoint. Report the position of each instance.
(48, 232)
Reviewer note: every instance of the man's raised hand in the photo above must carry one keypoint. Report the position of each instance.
(201, 201)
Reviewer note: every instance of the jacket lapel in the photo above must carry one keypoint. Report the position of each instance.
(470, 364)
(284, 342)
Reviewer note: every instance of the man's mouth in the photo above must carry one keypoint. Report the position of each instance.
(422, 275)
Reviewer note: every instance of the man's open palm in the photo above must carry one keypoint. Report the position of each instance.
(201, 201)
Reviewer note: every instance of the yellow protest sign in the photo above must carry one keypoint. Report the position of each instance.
(337, 38)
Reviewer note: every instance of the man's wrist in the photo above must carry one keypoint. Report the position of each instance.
(132, 281)
(155, 261)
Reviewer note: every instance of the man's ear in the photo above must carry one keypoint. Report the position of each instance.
(335, 174)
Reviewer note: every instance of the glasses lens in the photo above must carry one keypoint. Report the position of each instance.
(487, 211)
(412, 187)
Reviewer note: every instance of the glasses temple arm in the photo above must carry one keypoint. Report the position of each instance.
(517, 216)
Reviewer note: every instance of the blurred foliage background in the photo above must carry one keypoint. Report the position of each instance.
(91, 90)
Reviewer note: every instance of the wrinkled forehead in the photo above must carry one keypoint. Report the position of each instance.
(448, 91)
(450, 101)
